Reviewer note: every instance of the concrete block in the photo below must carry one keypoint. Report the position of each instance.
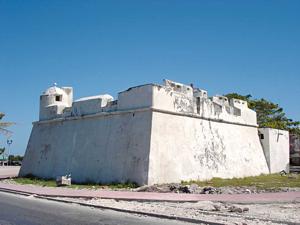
(63, 181)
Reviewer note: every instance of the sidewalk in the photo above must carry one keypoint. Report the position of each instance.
(150, 196)
(9, 171)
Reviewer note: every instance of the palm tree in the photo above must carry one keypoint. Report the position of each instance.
(2, 150)
(4, 125)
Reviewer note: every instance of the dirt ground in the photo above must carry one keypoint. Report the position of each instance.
(239, 214)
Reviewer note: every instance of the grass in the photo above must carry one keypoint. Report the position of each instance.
(51, 183)
(269, 181)
(36, 181)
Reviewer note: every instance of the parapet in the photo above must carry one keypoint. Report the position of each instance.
(178, 87)
(90, 105)
(172, 97)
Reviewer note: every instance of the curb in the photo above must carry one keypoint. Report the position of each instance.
(161, 216)
(241, 202)
(184, 219)
(15, 192)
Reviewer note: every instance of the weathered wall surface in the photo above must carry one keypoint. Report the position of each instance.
(150, 134)
(276, 147)
(135, 97)
(189, 148)
(103, 148)
(294, 150)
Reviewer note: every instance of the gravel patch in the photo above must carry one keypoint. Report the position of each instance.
(238, 214)
(195, 189)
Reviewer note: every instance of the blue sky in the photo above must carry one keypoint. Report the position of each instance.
(107, 46)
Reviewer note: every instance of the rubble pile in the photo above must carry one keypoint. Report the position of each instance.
(195, 189)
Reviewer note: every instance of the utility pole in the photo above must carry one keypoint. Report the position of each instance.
(9, 142)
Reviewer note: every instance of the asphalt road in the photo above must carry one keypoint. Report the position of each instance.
(22, 210)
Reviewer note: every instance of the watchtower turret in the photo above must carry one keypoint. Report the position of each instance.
(54, 100)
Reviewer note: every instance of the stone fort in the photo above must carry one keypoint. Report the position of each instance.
(151, 134)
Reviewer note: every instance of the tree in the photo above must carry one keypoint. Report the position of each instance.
(4, 125)
(269, 114)
(238, 96)
(15, 158)
(2, 150)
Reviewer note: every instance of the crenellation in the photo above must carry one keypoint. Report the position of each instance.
(172, 96)
(178, 87)
(220, 100)
(198, 93)
(238, 103)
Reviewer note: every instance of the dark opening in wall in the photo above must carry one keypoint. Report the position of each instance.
(198, 104)
(262, 136)
(58, 98)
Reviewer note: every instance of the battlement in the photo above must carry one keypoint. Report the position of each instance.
(172, 97)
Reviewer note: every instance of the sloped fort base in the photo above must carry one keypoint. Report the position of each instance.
(151, 134)
(103, 149)
(188, 148)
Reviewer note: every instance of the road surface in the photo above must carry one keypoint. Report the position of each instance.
(22, 210)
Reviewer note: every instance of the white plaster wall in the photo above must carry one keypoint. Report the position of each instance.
(187, 148)
(276, 147)
(49, 107)
(213, 110)
(166, 98)
(162, 98)
(106, 148)
(86, 107)
(52, 111)
(136, 97)
(90, 105)
(69, 92)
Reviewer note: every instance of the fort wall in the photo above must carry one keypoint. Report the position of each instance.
(102, 148)
(276, 148)
(191, 148)
(150, 134)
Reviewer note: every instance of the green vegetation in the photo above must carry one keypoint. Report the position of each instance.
(4, 125)
(36, 181)
(51, 183)
(15, 158)
(270, 181)
(6, 132)
(269, 114)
